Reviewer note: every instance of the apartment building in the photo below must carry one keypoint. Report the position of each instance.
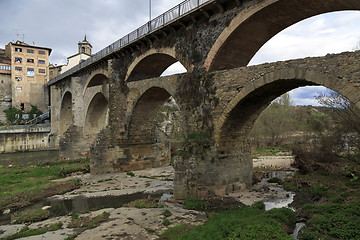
(5, 84)
(29, 75)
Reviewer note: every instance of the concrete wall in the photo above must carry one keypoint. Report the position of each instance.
(25, 139)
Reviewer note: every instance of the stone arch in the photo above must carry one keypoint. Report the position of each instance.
(234, 124)
(153, 63)
(97, 78)
(256, 24)
(96, 117)
(143, 117)
(66, 116)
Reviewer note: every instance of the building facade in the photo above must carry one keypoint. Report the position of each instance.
(29, 75)
(5, 84)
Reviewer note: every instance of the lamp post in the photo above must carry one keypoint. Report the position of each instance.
(149, 10)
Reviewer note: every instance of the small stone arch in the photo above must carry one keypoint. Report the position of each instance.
(256, 24)
(153, 63)
(143, 116)
(97, 78)
(66, 115)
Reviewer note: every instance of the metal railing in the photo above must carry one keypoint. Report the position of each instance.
(155, 24)
(39, 118)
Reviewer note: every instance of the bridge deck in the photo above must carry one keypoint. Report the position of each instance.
(174, 14)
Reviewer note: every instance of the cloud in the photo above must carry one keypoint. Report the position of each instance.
(60, 25)
(317, 36)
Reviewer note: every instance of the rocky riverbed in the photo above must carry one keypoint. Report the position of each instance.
(109, 192)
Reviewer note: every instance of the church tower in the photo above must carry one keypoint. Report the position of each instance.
(85, 47)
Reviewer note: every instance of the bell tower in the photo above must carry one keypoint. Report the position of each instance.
(85, 47)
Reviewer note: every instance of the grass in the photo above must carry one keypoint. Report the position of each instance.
(243, 223)
(145, 203)
(332, 221)
(31, 216)
(268, 151)
(30, 182)
(193, 204)
(27, 232)
(87, 222)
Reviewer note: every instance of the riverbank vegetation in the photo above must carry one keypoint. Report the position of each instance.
(326, 144)
(242, 223)
(22, 185)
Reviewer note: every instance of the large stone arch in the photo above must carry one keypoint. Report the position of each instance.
(66, 115)
(153, 63)
(256, 24)
(96, 117)
(234, 124)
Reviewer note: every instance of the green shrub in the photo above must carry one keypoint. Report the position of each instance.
(318, 191)
(275, 180)
(11, 114)
(166, 222)
(175, 232)
(196, 204)
(167, 213)
(283, 215)
(259, 205)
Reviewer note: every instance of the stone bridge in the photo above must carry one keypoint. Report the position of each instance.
(108, 108)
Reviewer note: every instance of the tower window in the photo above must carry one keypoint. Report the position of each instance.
(30, 51)
(41, 52)
(18, 60)
(30, 60)
(18, 49)
(41, 61)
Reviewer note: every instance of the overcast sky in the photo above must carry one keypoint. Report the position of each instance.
(61, 24)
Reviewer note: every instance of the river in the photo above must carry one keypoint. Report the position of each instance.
(20, 158)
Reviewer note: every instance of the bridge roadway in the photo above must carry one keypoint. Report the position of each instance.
(107, 109)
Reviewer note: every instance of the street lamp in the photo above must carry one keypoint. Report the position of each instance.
(149, 10)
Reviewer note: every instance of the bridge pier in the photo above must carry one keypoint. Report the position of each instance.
(214, 172)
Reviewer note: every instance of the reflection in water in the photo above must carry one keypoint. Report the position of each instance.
(20, 158)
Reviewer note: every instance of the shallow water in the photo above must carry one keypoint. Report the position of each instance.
(78, 204)
(20, 158)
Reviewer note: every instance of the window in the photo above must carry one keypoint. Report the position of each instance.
(19, 88)
(18, 69)
(18, 60)
(30, 51)
(30, 72)
(41, 70)
(18, 49)
(18, 79)
(30, 60)
(22, 106)
(8, 68)
(41, 52)
(41, 61)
